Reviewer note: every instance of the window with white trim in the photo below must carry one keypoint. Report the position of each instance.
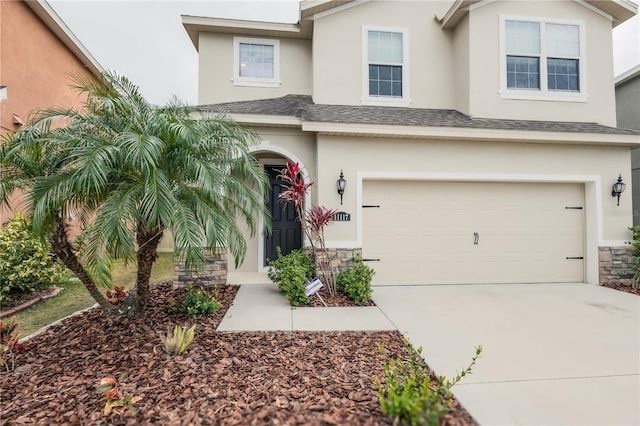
(385, 67)
(256, 62)
(542, 58)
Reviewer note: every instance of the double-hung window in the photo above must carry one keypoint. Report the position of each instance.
(542, 59)
(385, 79)
(256, 62)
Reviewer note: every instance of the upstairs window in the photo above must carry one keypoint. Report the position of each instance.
(542, 58)
(385, 67)
(256, 62)
(385, 64)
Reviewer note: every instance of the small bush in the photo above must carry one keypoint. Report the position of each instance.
(178, 342)
(26, 263)
(9, 345)
(356, 282)
(114, 401)
(198, 302)
(635, 242)
(406, 393)
(291, 273)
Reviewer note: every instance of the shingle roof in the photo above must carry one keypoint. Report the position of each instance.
(302, 106)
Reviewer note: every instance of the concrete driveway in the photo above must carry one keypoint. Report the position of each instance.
(554, 354)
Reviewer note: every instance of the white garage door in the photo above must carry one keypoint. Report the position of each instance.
(417, 232)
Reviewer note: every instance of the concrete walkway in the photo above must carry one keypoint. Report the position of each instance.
(261, 307)
(554, 354)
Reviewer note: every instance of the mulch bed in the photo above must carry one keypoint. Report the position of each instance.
(340, 299)
(224, 378)
(626, 289)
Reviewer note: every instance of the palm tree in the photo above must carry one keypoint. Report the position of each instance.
(132, 171)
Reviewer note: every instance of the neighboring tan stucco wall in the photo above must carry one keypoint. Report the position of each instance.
(628, 116)
(216, 71)
(485, 101)
(35, 66)
(338, 52)
(628, 103)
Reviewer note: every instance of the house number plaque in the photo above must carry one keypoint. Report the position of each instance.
(342, 217)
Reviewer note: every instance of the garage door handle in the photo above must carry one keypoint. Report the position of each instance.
(575, 258)
(370, 260)
(476, 238)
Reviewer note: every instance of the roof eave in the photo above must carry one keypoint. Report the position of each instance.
(196, 24)
(628, 75)
(619, 10)
(464, 133)
(456, 12)
(51, 19)
(309, 8)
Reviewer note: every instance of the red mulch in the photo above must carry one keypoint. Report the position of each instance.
(224, 378)
(340, 299)
(626, 289)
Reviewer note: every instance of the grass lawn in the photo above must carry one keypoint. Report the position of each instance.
(75, 297)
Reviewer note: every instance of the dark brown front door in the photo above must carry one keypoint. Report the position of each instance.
(286, 230)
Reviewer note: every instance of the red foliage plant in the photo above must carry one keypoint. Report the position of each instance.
(313, 220)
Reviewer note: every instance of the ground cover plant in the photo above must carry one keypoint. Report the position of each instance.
(293, 378)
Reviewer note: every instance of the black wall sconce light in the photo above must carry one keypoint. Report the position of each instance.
(618, 188)
(342, 183)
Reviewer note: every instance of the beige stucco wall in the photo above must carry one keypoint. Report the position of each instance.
(35, 66)
(499, 160)
(216, 71)
(484, 42)
(462, 66)
(338, 55)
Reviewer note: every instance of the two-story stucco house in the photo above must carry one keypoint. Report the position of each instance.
(477, 138)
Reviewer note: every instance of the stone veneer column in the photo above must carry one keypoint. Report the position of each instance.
(616, 265)
(214, 273)
(339, 258)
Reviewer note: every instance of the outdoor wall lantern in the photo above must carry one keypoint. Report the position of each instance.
(342, 183)
(618, 188)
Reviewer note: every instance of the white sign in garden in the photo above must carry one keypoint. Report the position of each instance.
(313, 286)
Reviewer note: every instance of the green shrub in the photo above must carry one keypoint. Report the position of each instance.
(198, 302)
(356, 282)
(407, 394)
(635, 242)
(26, 263)
(291, 273)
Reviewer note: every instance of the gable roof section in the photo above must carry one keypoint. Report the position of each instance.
(51, 19)
(619, 10)
(301, 110)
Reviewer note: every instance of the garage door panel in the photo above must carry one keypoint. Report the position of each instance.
(423, 232)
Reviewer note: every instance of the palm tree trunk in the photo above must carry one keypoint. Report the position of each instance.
(64, 251)
(148, 241)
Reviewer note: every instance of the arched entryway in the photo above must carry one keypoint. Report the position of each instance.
(286, 230)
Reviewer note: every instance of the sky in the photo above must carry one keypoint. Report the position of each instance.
(145, 40)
